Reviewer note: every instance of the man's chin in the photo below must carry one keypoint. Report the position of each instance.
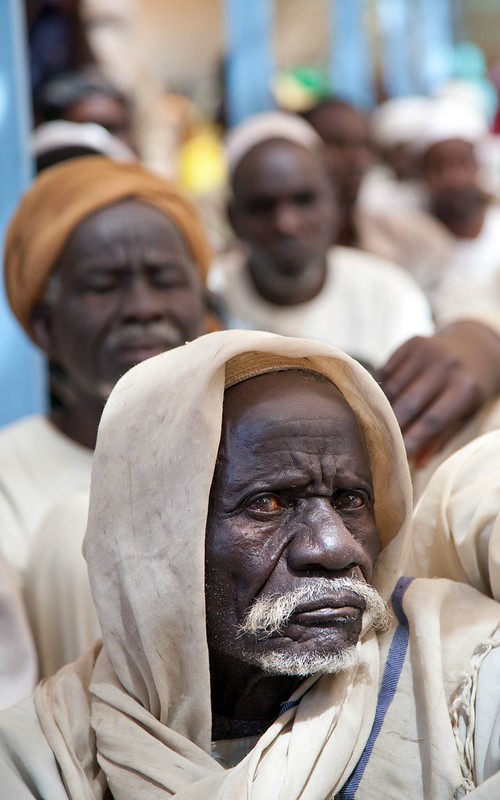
(302, 665)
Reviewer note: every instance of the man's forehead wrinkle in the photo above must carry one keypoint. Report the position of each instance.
(282, 427)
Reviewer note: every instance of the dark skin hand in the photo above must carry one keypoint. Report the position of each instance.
(436, 384)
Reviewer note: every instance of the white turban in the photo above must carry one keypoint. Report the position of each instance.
(399, 121)
(262, 127)
(62, 133)
(450, 119)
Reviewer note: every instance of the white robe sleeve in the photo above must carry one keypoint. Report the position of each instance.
(28, 769)
(487, 730)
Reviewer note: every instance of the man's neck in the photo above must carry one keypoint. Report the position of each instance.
(246, 696)
(467, 227)
(292, 290)
(346, 234)
(79, 422)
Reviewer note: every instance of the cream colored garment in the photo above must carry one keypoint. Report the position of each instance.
(456, 531)
(412, 239)
(471, 281)
(18, 668)
(382, 192)
(367, 306)
(39, 466)
(135, 716)
(56, 587)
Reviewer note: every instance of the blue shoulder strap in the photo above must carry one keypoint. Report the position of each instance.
(390, 679)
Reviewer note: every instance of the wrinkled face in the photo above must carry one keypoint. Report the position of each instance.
(125, 288)
(450, 171)
(283, 210)
(291, 511)
(345, 133)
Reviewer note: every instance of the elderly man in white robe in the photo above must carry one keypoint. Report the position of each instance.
(249, 517)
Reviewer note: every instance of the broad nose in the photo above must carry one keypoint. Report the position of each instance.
(458, 177)
(142, 302)
(287, 218)
(322, 544)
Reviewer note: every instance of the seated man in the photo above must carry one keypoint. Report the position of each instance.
(104, 267)
(449, 162)
(398, 232)
(288, 279)
(249, 511)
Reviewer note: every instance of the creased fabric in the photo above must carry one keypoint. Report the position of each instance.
(61, 198)
(456, 531)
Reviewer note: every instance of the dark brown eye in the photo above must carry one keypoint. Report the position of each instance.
(348, 500)
(265, 504)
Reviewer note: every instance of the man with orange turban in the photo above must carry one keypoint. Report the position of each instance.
(105, 265)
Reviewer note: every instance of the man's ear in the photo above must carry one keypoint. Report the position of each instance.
(41, 327)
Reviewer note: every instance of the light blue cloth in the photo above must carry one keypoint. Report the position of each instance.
(250, 66)
(22, 372)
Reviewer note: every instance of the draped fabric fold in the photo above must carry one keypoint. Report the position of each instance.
(135, 716)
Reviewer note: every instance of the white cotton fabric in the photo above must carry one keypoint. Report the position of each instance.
(60, 133)
(456, 532)
(449, 118)
(367, 306)
(135, 716)
(470, 281)
(56, 587)
(39, 466)
(399, 120)
(18, 666)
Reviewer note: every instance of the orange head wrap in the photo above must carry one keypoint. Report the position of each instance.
(61, 198)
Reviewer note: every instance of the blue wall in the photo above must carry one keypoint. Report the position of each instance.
(22, 372)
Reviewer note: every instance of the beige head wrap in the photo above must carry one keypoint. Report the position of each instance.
(457, 521)
(61, 198)
(263, 127)
(153, 469)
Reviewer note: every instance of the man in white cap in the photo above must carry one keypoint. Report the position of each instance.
(450, 170)
(392, 184)
(380, 216)
(287, 278)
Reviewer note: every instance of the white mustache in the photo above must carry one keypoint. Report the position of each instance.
(161, 331)
(269, 614)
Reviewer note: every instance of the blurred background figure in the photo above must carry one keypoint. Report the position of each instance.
(53, 142)
(85, 95)
(105, 265)
(392, 184)
(448, 147)
(288, 275)
(406, 236)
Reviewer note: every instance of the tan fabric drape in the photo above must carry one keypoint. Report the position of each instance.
(136, 716)
(61, 198)
(456, 531)
(149, 689)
